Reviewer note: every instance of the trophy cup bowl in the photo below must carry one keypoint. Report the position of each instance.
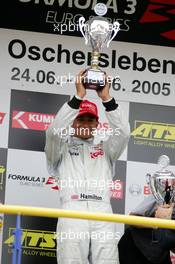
(162, 182)
(98, 32)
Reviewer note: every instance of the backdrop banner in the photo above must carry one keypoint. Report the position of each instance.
(41, 52)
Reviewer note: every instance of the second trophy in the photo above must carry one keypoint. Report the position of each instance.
(162, 182)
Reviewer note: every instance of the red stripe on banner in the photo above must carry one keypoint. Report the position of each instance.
(50, 180)
(2, 115)
(55, 188)
(30, 120)
(169, 2)
(150, 16)
(169, 34)
(171, 11)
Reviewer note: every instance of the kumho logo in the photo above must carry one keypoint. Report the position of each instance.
(154, 131)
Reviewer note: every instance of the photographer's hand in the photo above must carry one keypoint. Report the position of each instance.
(164, 211)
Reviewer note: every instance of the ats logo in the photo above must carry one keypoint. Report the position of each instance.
(34, 239)
(154, 131)
(161, 11)
(2, 171)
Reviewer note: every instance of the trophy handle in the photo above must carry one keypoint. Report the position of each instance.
(115, 29)
(82, 25)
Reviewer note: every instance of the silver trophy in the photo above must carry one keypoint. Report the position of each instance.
(98, 32)
(162, 182)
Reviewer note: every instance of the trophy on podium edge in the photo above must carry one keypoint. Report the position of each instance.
(98, 32)
(162, 182)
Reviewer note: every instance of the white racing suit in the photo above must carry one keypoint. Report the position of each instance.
(84, 172)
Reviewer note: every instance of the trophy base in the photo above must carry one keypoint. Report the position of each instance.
(94, 79)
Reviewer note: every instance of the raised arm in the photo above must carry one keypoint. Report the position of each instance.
(59, 131)
(120, 129)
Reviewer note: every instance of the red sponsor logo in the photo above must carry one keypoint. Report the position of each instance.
(2, 115)
(116, 190)
(30, 120)
(51, 181)
(74, 196)
(147, 190)
(97, 152)
(173, 258)
(104, 125)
